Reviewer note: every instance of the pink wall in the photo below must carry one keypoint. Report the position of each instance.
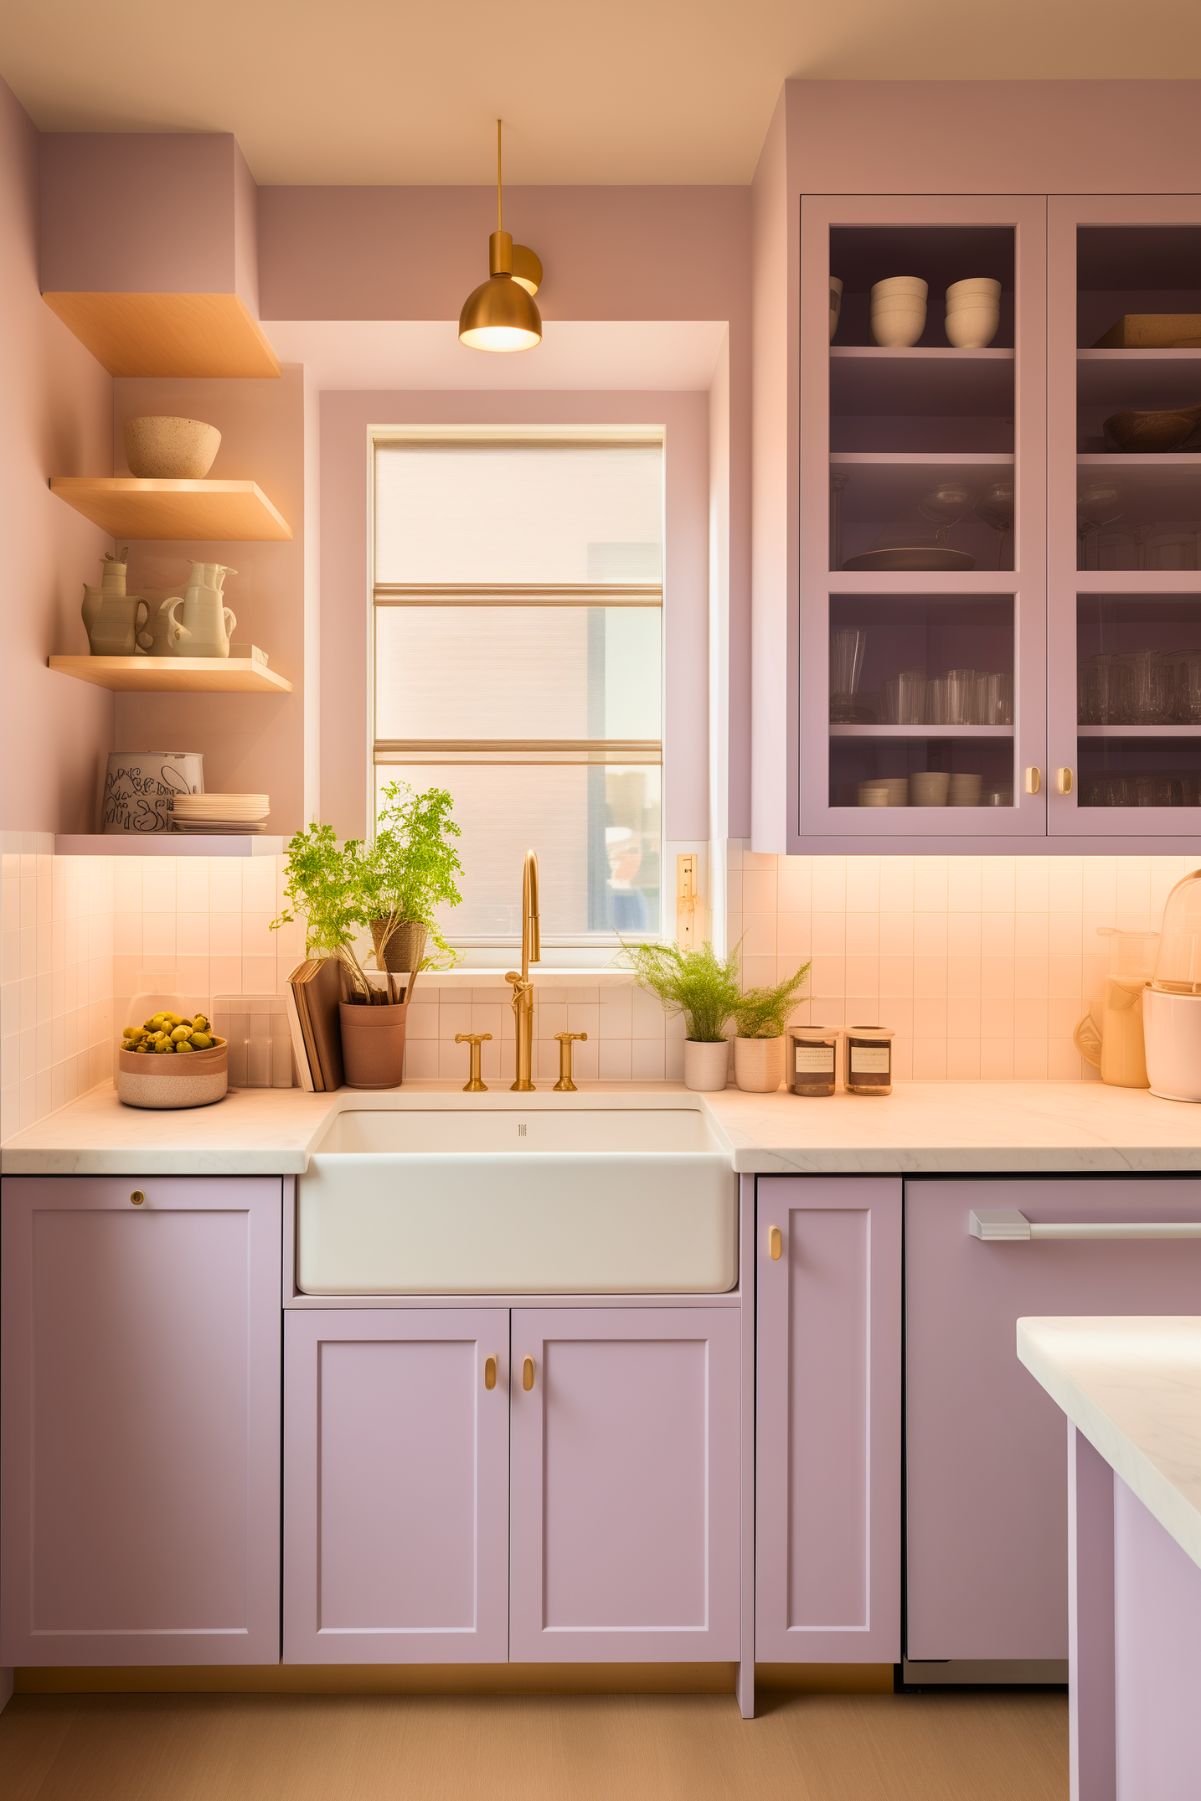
(144, 212)
(343, 505)
(993, 137)
(57, 421)
(250, 742)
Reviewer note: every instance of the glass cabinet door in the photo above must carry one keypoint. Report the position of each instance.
(1125, 522)
(921, 546)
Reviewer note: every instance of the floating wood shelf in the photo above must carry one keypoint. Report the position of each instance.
(175, 675)
(215, 510)
(167, 334)
(167, 844)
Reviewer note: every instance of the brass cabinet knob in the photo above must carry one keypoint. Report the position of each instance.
(775, 1244)
(566, 1082)
(489, 1373)
(1034, 779)
(527, 1373)
(1064, 780)
(137, 1197)
(475, 1083)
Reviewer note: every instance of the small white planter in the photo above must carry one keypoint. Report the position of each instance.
(706, 1066)
(759, 1064)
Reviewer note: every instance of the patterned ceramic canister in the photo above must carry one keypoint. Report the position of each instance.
(141, 785)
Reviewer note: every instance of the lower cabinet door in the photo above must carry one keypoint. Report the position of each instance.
(828, 1420)
(140, 1420)
(396, 1485)
(625, 1484)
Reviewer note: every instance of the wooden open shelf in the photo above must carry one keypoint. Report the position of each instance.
(167, 844)
(218, 510)
(168, 334)
(175, 675)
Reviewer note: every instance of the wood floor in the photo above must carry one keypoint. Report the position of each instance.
(985, 1746)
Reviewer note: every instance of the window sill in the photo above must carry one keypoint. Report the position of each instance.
(543, 975)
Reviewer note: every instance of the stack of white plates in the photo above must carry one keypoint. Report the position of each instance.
(225, 813)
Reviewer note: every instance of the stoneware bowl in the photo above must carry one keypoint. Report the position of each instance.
(929, 788)
(899, 287)
(973, 327)
(168, 449)
(898, 326)
(982, 287)
(195, 1080)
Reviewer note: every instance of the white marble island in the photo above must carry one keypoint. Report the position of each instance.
(1131, 1391)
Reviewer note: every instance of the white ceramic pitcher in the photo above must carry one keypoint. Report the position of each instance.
(199, 622)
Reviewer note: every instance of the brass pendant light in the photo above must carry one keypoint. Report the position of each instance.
(500, 314)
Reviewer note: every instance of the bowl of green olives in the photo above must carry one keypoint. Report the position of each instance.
(172, 1061)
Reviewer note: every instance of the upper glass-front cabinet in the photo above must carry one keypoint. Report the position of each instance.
(1124, 391)
(921, 552)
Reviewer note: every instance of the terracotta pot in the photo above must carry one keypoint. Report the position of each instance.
(405, 947)
(373, 1045)
(706, 1066)
(759, 1064)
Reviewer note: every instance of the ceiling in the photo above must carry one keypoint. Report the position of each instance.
(592, 91)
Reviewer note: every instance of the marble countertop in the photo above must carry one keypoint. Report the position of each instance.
(991, 1128)
(1133, 1387)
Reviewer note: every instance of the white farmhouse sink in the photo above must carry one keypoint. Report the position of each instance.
(504, 1200)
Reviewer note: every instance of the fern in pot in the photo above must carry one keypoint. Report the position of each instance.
(331, 887)
(412, 870)
(704, 988)
(760, 1016)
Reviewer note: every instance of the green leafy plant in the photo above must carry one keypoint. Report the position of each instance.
(413, 866)
(763, 1012)
(328, 885)
(697, 983)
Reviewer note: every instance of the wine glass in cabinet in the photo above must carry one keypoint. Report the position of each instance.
(920, 549)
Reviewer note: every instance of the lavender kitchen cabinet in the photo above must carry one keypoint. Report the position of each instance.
(396, 1484)
(828, 1421)
(987, 1551)
(140, 1421)
(625, 1443)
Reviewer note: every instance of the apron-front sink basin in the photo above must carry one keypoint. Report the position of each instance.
(504, 1200)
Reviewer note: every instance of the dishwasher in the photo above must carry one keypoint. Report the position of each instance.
(985, 1448)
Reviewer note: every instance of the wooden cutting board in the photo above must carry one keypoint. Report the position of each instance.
(1152, 331)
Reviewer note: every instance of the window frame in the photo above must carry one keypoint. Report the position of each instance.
(588, 950)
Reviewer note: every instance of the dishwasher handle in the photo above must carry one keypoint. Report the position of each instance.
(1006, 1225)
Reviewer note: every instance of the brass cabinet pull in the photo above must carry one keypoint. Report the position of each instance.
(1064, 780)
(527, 1373)
(775, 1244)
(489, 1372)
(1034, 779)
(137, 1197)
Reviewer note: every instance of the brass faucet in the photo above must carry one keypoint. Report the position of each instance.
(523, 988)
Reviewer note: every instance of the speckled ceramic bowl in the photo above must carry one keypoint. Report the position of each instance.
(196, 1079)
(167, 449)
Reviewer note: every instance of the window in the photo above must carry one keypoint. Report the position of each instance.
(517, 651)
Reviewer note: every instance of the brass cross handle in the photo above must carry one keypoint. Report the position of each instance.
(474, 1083)
(565, 1084)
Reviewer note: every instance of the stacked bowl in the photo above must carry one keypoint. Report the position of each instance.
(899, 310)
(973, 312)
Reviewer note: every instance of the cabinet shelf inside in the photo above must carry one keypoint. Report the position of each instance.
(921, 731)
(1139, 379)
(874, 381)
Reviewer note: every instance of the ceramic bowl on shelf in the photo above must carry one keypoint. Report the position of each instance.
(164, 448)
(929, 788)
(972, 291)
(1154, 433)
(973, 326)
(898, 324)
(898, 286)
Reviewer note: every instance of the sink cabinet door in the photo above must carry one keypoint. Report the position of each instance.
(828, 1420)
(396, 1486)
(625, 1536)
(140, 1420)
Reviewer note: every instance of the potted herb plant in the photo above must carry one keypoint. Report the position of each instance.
(760, 1016)
(411, 871)
(331, 886)
(704, 988)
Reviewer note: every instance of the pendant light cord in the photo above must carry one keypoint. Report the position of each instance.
(500, 224)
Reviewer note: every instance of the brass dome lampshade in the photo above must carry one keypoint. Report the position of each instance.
(500, 314)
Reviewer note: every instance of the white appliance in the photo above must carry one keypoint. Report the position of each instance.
(1172, 1004)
